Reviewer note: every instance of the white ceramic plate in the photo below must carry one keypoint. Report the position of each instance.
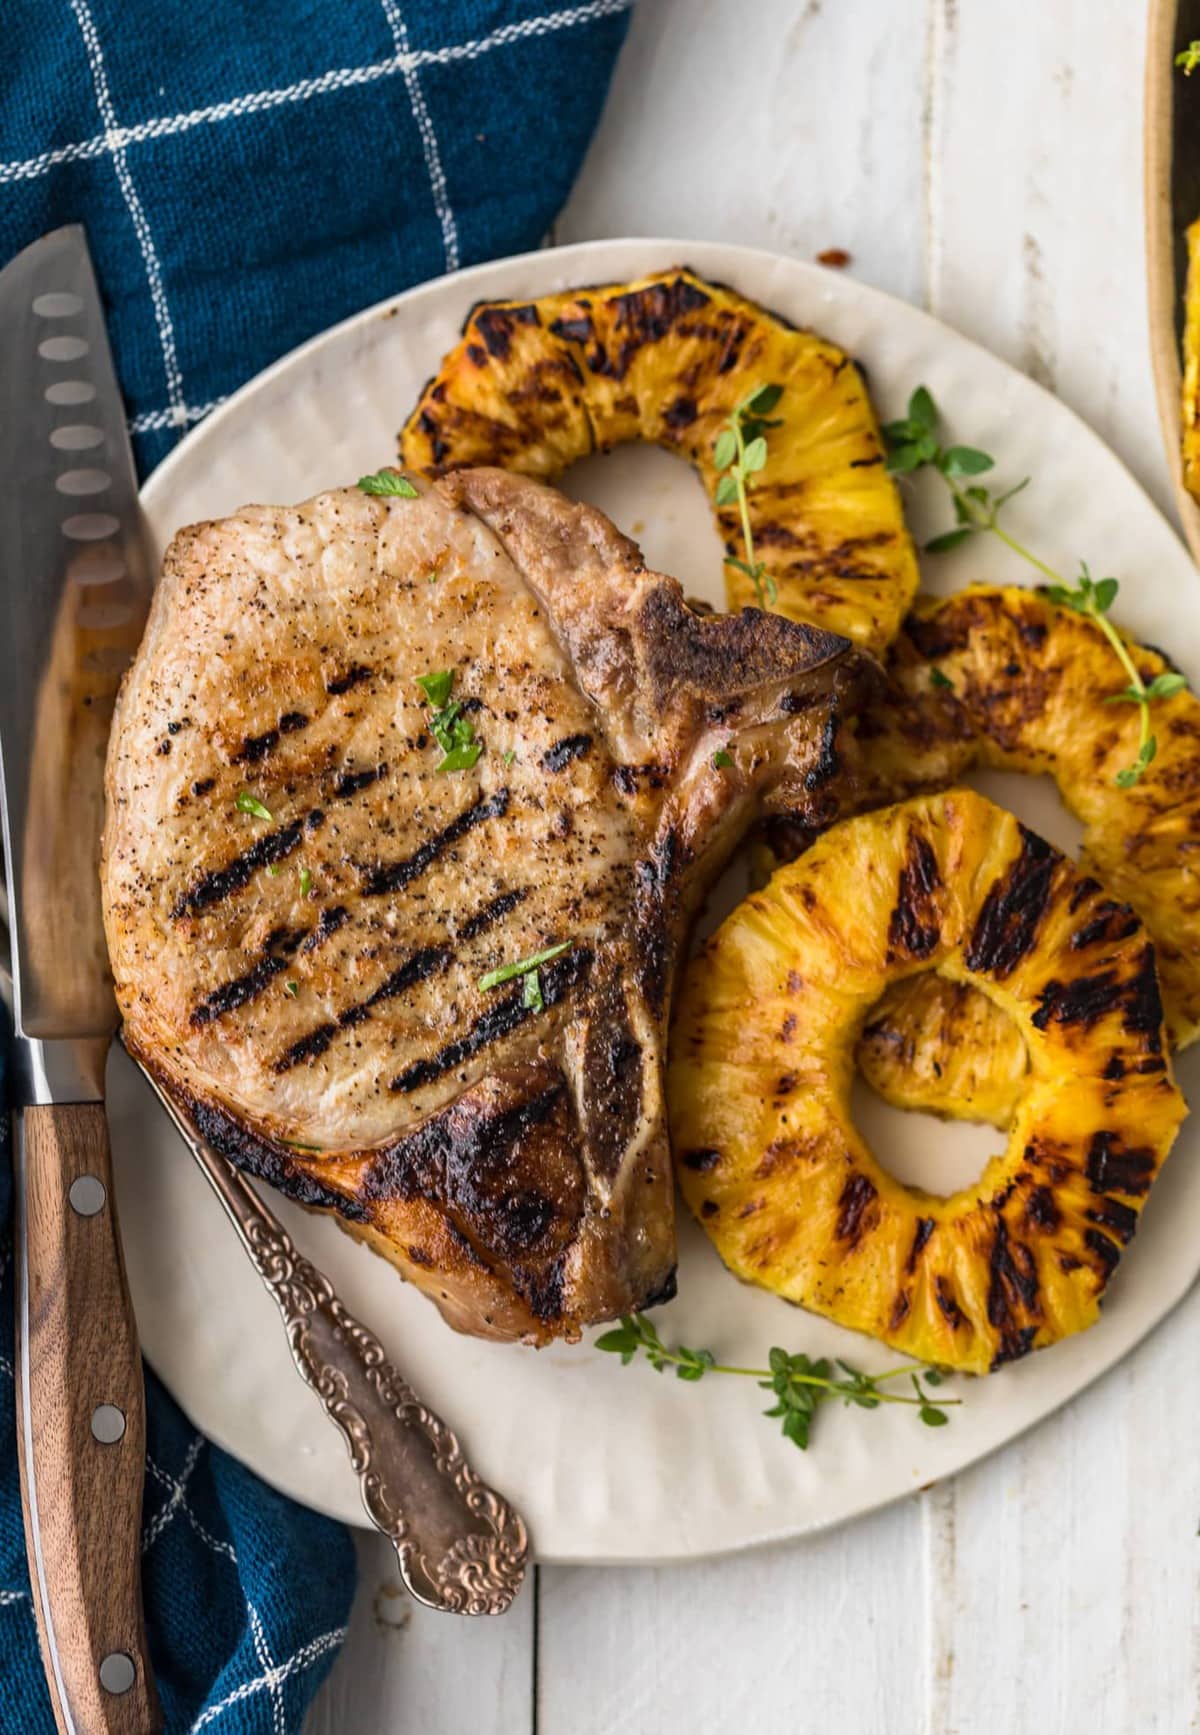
(613, 1464)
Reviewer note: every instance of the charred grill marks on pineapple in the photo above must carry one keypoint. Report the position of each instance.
(1108, 1254)
(854, 1208)
(496, 324)
(1120, 1220)
(1113, 1167)
(1013, 909)
(1013, 1286)
(1089, 998)
(915, 925)
(949, 1307)
(1041, 1211)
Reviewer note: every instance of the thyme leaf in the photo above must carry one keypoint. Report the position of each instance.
(798, 1384)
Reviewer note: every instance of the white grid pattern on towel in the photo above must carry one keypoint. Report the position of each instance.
(273, 1678)
(176, 1487)
(115, 141)
(429, 143)
(137, 211)
(118, 138)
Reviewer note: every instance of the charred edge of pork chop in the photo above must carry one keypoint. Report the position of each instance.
(677, 649)
(485, 1205)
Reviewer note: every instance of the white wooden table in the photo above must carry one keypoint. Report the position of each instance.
(982, 160)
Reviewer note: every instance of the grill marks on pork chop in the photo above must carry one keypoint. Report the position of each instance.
(493, 912)
(240, 990)
(429, 961)
(391, 876)
(501, 1019)
(213, 887)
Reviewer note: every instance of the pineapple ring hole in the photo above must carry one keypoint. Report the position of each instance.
(924, 1151)
(935, 1152)
(657, 498)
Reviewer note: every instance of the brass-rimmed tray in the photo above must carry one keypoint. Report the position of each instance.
(1172, 171)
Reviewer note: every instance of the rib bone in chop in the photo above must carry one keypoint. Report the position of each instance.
(301, 905)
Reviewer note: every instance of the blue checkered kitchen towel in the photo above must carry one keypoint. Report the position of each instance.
(249, 172)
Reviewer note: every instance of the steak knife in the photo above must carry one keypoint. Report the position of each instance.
(74, 589)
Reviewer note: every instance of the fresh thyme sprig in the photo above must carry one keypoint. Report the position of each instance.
(799, 1384)
(740, 451)
(1093, 599)
(1189, 58)
(913, 445)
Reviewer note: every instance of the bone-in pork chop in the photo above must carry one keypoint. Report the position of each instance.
(374, 757)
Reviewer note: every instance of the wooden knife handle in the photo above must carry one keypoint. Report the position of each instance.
(79, 1384)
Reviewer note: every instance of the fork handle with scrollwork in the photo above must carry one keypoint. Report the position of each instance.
(459, 1544)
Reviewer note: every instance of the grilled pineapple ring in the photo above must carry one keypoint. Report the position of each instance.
(534, 385)
(769, 1157)
(1029, 684)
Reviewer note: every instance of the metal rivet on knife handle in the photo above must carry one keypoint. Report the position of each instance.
(87, 1195)
(117, 1673)
(108, 1424)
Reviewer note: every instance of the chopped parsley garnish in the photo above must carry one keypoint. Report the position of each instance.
(274, 871)
(523, 966)
(509, 755)
(454, 733)
(305, 882)
(293, 988)
(937, 679)
(437, 686)
(462, 756)
(388, 482)
(247, 803)
(721, 760)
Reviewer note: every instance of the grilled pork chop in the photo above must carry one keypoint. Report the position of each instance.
(313, 863)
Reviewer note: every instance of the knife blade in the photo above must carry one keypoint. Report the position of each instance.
(74, 590)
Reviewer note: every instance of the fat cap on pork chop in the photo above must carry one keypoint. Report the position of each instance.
(301, 966)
